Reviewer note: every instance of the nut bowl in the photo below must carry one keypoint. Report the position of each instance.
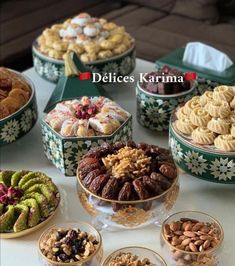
(154, 109)
(141, 252)
(192, 238)
(20, 122)
(122, 212)
(49, 257)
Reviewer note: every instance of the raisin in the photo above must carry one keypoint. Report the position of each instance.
(140, 189)
(125, 192)
(110, 190)
(98, 183)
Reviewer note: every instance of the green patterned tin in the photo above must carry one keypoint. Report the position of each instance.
(21, 122)
(64, 153)
(52, 69)
(205, 162)
(154, 110)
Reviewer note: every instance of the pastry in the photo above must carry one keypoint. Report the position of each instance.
(14, 92)
(87, 116)
(233, 130)
(203, 135)
(225, 142)
(192, 104)
(127, 171)
(206, 97)
(218, 108)
(26, 199)
(199, 117)
(98, 38)
(185, 126)
(181, 113)
(219, 126)
(223, 93)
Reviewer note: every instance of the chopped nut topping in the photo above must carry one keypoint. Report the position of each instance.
(128, 161)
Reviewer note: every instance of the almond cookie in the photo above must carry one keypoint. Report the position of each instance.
(185, 126)
(218, 108)
(223, 93)
(225, 142)
(206, 97)
(219, 126)
(233, 130)
(203, 135)
(181, 113)
(199, 117)
(192, 104)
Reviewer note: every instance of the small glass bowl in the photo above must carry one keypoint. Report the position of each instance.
(141, 252)
(177, 257)
(94, 259)
(118, 215)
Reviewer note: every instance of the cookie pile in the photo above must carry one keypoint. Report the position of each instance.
(89, 37)
(210, 119)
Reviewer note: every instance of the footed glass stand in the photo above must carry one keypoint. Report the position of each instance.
(114, 215)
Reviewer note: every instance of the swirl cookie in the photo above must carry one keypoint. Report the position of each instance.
(181, 113)
(206, 97)
(185, 126)
(203, 135)
(219, 126)
(225, 142)
(218, 108)
(223, 93)
(192, 104)
(199, 117)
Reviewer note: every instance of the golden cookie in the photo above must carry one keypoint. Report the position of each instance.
(233, 130)
(48, 33)
(78, 49)
(180, 113)
(192, 104)
(11, 104)
(199, 117)
(120, 49)
(105, 54)
(218, 108)
(4, 112)
(203, 135)
(185, 126)
(108, 45)
(223, 93)
(225, 142)
(116, 38)
(91, 48)
(206, 97)
(55, 54)
(232, 103)
(232, 117)
(60, 46)
(109, 26)
(88, 57)
(19, 94)
(219, 126)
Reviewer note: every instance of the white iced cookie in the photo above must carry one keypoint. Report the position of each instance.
(91, 30)
(82, 19)
(223, 93)
(225, 142)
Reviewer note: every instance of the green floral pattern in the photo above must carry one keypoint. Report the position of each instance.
(18, 124)
(52, 70)
(65, 153)
(212, 167)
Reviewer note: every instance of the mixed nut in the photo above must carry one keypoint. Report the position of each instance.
(190, 235)
(127, 172)
(68, 245)
(128, 259)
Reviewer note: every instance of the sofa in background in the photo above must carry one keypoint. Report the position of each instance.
(159, 26)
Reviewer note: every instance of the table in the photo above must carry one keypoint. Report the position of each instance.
(195, 194)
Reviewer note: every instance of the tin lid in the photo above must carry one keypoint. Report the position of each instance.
(74, 83)
(175, 60)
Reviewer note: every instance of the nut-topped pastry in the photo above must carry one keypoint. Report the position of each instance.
(91, 38)
(127, 172)
(87, 116)
(210, 118)
(14, 92)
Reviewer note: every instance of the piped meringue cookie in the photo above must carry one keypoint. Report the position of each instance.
(91, 30)
(82, 19)
(82, 39)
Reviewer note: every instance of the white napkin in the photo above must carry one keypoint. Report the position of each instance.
(202, 55)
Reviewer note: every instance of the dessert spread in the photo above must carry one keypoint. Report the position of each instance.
(86, 117)
(209, 119)
(89, 37)
(127, 172)
(129, 259)
(14, 92)
(68, 245)
(165, 81)
(26, 199)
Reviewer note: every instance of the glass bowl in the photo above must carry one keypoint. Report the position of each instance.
(116, 215)
(178, 257)
(94, 259)
(141, 252)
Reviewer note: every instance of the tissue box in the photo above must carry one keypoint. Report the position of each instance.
(206, 78)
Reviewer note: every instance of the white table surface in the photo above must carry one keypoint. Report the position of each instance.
(195, 194)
